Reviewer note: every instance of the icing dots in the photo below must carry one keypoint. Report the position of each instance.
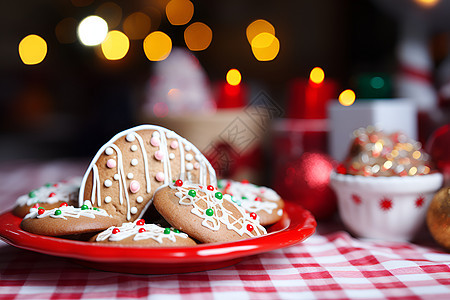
(159, 155)
(155, 141)
(172, 155)
(130, 176)
(134, 162)
(134, 148)
(189, 157)
(135, 186)
(139, 199)
(116, 176)
(174, 144)
(133, 210)
(111, 163)
(196, 166)
(108, 199)
(109, 151)
(187, 147)
(130, 137)
(189, 166)
(160, 176)
(156, 134)
(107, 183)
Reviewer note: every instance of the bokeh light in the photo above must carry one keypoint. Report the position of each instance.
(65, 30)
(116, 45)
(427, 3)
(317, 75)
(234, 77)
(257, 27)
(179, 12)
(377, 82)
(265, 46)
(347, 97)
(157, 46)
(137, 25)
(32, 49)
(111, 13)
(160, 109)
(92, 30)
(198, 36)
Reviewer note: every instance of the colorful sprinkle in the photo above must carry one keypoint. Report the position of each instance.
(64, 204)
(257, 199)
(249, 227)
(179, 182)
(176, 231)
(253, 215)
(166, 230)
(192, 193)
(116, 230)
(57, 212)
(209, 212)
(48, 185)
(210, 188)
(218, 195)
(140, 222)
(84, 207)
(141, 230)
(36, 206)
(51, 195)
(245, 181)
(41, 211)
(32, 194)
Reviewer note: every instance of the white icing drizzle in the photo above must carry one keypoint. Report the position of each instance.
(67, 212)
(152, 231)
(158, 132)
(220, 214)
(247, 193)
(63, 192)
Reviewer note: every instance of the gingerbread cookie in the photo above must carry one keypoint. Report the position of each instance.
(263, 201)
(205, 214)
(139, 234)
(67, 220)
(127, 170)
(48, 196)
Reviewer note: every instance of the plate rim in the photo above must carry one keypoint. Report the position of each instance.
(302, 225)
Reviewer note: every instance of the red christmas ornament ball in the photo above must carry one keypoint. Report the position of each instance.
(306, 181)
(438, 146)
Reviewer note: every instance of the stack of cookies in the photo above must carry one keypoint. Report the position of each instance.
(146, 175)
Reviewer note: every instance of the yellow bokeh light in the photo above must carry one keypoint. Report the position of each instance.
(65, 30)
(157, 46)
(234, 77)
(137, 25)
(116, 45)
(265, 47)
(198, 36)
(257, 27)
(317, 75)
(32, 49)
(92, 30)
(347, 97)
(427, 3)
(179, 12)
(111, 12)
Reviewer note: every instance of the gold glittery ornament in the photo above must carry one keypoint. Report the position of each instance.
(438, 217)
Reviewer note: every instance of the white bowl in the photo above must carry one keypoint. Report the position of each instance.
(387, 208)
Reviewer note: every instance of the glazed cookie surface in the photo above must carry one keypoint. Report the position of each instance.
(48, 196)
(263, 201)
(67, 220)
(205, 213)
(139, 234)
(127, 170)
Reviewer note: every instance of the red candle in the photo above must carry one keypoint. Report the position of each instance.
(308, 98)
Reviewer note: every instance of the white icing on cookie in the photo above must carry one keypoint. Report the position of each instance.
(52, 193)
(152, 231)
(65, 212)
(220, 215)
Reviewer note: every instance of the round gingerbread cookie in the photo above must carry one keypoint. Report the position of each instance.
(139, 234)
(204, 213)
(67, 220)
(48, 196)
(129, 168)
(263, 201)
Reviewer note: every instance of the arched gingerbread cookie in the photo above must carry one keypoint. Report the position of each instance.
(128, 169)
(139, 234)
(263, 201)
(204, 213)
(67, 220)
(49, 196)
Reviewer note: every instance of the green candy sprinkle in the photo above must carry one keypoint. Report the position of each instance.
(32, 194)
(166, 230)
(57, 212)
(209, 212)
(192, 193)
(95, 208)
(219, 195)
(48, 185)
(244, 198)
(176, 231)
(84, 207)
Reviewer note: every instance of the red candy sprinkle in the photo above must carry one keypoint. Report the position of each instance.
(245, 181)
(179, 182)
(253, 216)
(142, 230)
(258, 199)
(36, 206)
(116, 230)
(249, 227)
(63, 204)
(140, 222)
(41, 211)
(55, 185)
(51, 195)
(341, 169)
(210, 188)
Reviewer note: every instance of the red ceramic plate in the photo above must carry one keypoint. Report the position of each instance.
(296, 225)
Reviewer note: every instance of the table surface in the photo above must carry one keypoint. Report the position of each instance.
(329, 265)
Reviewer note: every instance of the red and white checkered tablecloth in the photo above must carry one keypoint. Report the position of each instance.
(329, 265)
